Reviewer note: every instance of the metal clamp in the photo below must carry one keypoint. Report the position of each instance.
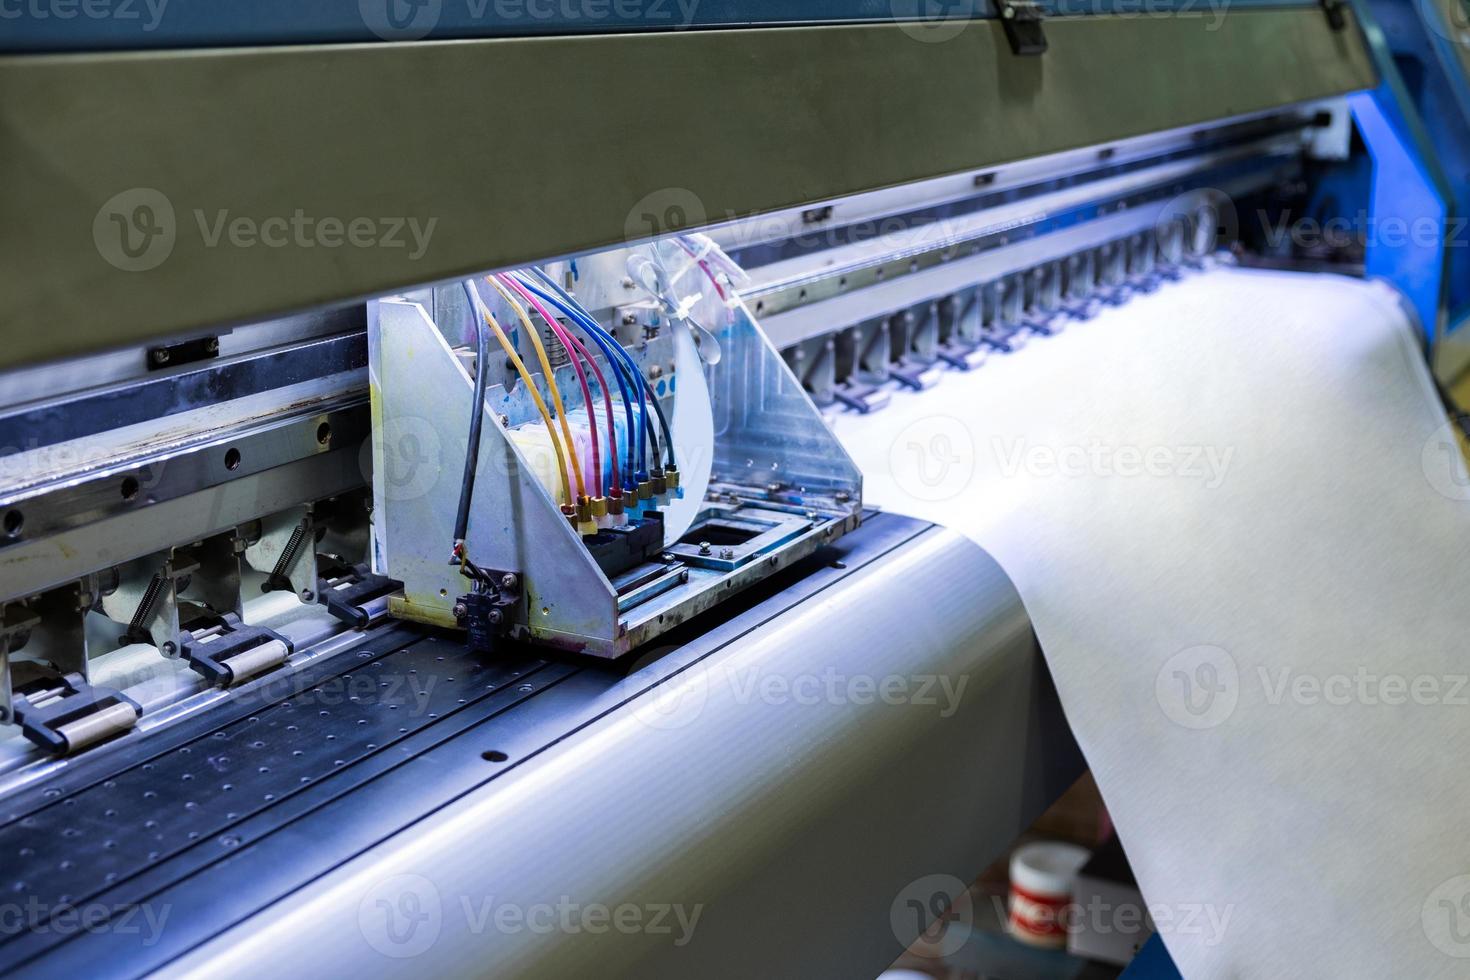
(66, 714)
(354, 594)
(915, 374)
(962, 356)
(227, 651)
(1022, 22)
(861, 397)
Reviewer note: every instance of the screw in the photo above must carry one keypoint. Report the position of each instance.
(666, 557)
(307, 595)
(629, 319)
(509, 582)
(160, 356)
(461, 610)
(728, 554)
(495, 616)
(704, 547)
(843, 496)
(212, 345)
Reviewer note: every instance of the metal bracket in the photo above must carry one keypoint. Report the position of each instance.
(1022, 22)
(227, 651)
(184, 352)
(487, 612)
(1336, 18)
(17, 622)
(861, 397)
(286, 552)
(66, 714)
(146, 599)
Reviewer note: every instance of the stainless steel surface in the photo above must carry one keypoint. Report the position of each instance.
(790, 825)
(380, 133)
(146, 475)
(65, 402)
(121, 377)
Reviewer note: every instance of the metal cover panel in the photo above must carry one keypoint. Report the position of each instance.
(214, 23)
(158, 193)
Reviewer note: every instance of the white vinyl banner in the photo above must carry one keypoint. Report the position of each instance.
(1240, 521)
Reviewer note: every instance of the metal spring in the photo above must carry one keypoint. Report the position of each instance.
(288, 554)
(145, 606)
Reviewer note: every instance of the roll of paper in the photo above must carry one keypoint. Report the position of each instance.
(1240, 520)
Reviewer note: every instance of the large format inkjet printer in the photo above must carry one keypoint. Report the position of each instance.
(414, 430)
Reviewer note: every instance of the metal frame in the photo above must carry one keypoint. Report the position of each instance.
(772, 455)
(383, 132)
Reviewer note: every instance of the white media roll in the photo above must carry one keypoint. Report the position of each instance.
(1240, 521)
(693, 422)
